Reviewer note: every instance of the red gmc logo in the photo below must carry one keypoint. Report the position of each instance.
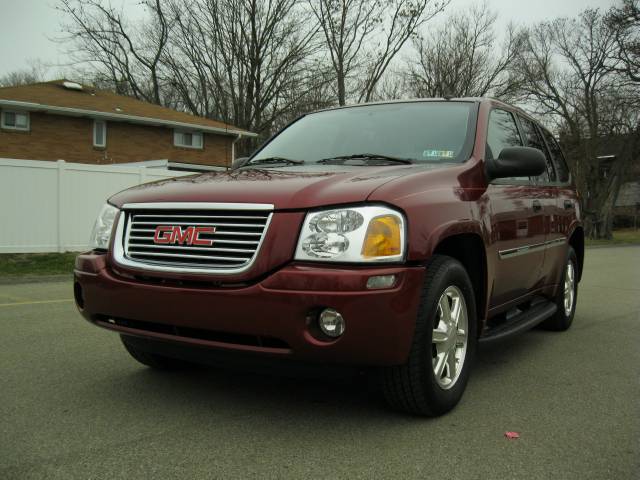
(167, 235)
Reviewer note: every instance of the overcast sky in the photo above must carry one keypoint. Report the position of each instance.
(27, 27)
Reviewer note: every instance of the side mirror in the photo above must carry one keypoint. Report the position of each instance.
(517, 162)
(239, 162)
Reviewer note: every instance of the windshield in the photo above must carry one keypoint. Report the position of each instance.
(418, 131)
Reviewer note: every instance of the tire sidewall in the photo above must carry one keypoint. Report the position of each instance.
(454, 274)
(566, 320)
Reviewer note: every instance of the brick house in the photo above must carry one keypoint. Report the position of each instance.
(77, 123)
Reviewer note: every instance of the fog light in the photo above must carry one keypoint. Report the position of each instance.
(381, 281)
(331, 323)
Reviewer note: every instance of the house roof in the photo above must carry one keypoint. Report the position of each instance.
(83, 100)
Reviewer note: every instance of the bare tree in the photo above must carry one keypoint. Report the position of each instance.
(125, 54)
(462, 58)
(36, 72)
(244, 61)
(625, 20)
(362, 37)
(247, 62)
(568, 70)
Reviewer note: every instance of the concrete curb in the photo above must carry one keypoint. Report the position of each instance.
(624, 245)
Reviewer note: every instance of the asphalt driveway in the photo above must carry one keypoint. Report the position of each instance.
(73, 404)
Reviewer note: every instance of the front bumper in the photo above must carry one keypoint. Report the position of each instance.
(273, 316)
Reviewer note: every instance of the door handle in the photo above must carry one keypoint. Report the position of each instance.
(536, 206)
(568, 204)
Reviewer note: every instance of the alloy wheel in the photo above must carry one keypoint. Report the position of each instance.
(569, 288)
(449, 339)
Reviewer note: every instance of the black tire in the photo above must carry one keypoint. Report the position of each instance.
(152, 360)
(560, 320)
(412, 387)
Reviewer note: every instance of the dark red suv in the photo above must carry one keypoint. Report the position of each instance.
(393, 235)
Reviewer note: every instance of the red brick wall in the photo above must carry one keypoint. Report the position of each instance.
(54, 137)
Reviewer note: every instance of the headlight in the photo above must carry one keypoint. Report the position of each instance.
(101, 233)
(359, 234)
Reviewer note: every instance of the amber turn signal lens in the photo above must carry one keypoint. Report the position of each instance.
(383, 237)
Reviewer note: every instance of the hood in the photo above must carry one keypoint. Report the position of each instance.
(285, 188)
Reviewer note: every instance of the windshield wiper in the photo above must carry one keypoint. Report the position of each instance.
(366, 156)
(287, 161)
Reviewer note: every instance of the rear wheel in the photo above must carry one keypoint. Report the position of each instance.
(435, 375)
(566, 296)
(152, 360)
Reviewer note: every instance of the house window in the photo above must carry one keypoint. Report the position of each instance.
(99, 133)
(15, 120)
(187, 139)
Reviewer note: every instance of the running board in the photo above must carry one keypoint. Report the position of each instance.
(520, 323)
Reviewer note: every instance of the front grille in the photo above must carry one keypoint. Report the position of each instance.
(235, 241)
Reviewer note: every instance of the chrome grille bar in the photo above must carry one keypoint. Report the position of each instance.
(190, 255)
(198, 249)
(241, 234)
(199, 223)
(232, 217)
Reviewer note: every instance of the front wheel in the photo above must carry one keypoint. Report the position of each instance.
(432, 380)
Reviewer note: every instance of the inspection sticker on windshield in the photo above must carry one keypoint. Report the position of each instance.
(438, 153)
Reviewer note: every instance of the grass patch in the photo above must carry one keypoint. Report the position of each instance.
(626, 236)
(19, 264)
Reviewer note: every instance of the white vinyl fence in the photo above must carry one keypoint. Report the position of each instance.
(51, 206)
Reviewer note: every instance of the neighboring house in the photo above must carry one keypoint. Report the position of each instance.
(627, 207)
(77, 123)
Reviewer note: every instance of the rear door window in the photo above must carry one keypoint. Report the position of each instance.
(533, 139)
(557, 157)
(502, 132)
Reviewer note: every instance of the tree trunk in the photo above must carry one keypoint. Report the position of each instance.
(341, 89)
(599, 221)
